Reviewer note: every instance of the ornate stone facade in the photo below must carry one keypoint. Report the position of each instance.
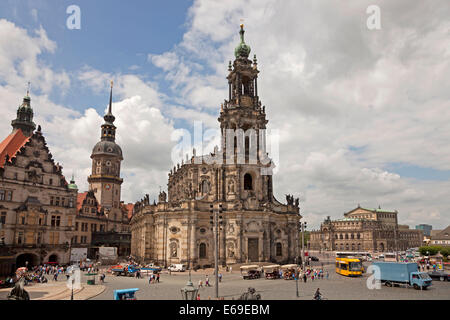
(37, 206)
(361, 229)
(235, 180)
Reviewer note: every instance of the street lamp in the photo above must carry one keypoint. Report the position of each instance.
(302, 228)
(189, 292)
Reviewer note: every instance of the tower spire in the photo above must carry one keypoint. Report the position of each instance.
(110, 98)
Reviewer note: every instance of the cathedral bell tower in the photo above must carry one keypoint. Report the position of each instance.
(106, 158)
(243, 125)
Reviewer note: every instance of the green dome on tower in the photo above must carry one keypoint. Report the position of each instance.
(243, 49)
(72, 184)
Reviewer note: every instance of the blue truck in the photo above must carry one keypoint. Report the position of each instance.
(401, 273)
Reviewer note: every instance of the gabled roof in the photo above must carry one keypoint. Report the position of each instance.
(129, 207)
(371, 210)
(11, 145)
(80, 199)
(443, 235)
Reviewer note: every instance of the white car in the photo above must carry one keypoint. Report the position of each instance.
(177, 268)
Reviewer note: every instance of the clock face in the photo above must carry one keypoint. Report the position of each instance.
(107, 186)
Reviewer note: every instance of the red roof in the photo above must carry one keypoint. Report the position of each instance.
(80, 199)
(129, 207)
(11, 145)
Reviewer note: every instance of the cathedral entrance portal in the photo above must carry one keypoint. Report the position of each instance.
(253, 249)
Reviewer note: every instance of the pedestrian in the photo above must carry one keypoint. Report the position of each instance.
(220, 277)
(200, 283)
(157, 277)
(55, 277)
(207, 281)
(304, 277)
(231, 269)
(198, 296)
(150, 280)
(327, 275)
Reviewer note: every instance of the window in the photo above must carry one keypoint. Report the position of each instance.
(9, 196)
(102, 228)
(3, 218)
(22, 219)
(53, 224)
(57, 201)
(50, 181)
(92, 210)
(248, 183)
(58, 221)
(279, 250)
(83, 239)
(71, 202)
(51, 200)
(40, 221)
(2, 195)
(202, 250)
(86, 209)
(76, 226)
(93, 227)
(39, 238)
(20, 238)
(15, 176)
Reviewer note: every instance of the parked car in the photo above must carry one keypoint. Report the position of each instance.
(439, 275)
(314, 258)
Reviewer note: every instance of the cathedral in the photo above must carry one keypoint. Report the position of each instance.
(234, 184)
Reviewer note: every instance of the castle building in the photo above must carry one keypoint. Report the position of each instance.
(235, 181)
(100, 211)
(361, 229)
(37, 206)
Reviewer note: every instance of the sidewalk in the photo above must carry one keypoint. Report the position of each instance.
(60, 291)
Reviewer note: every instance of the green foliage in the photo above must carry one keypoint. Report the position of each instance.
(433, 250)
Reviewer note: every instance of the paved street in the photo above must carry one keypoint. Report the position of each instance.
(232, 286)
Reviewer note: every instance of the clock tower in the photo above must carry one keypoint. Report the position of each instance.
(106, 158)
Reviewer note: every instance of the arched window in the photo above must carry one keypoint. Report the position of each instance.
(341, 237)
(358, 236)
(346, 236)
(248, 183)
(279, 250)
(202, 251)
(352, 236)
(204, 187)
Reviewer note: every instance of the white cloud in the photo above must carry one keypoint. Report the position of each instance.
(329, 83)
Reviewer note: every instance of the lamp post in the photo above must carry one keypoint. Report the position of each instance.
(189, 292)
(73, 280)
(303, 227)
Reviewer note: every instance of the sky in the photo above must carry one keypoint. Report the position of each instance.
(362, 114)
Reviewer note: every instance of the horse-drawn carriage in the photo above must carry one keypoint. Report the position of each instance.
(272, 271)
(251, 272)
(289, 271)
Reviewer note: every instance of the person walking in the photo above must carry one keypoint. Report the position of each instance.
(220, 277)
(200, 283)
(157, 277)
(207, 282)
(327, 275)
(305, 277)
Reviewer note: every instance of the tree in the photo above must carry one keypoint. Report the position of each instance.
(430, 250)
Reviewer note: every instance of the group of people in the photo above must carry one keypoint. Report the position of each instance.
(313, 274)
(154, 278)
